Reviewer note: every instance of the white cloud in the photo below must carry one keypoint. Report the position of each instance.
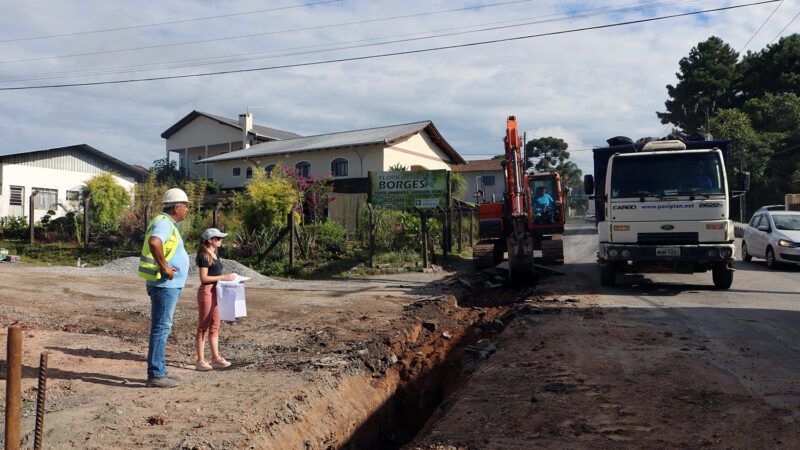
(583, 87)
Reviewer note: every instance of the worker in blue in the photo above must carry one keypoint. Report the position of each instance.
(542, 205)
(164, 264)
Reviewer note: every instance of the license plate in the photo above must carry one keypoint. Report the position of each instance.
(668, 251)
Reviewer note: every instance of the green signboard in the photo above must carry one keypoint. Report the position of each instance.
(409, 190)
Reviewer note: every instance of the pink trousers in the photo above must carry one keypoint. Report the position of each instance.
(207, 310)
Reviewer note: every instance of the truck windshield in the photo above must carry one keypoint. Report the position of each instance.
(669, 174)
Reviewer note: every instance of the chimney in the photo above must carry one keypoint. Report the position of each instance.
(246, 121)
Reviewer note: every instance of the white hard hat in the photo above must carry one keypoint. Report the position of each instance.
(175, 195)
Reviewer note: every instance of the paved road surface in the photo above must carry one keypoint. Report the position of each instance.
(757, 319)
(659, 360)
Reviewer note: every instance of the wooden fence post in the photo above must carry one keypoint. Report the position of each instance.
(215, 216)
(86, 205)
(373, 231)
(471, 227)
(460, 229)
(444, 233)
(423, 217)
(30, 215)
(291, 238)
(146, 217)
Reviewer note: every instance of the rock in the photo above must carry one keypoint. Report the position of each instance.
(157, 419)
(447, 335)
(430, 326)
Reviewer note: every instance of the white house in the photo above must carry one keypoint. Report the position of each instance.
(56, 175)
(347, 154)
(484, 177)
(201, 135)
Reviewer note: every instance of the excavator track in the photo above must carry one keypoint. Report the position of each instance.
(483, 255)
(553, 250)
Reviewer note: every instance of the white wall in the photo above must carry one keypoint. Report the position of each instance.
(31, 177)
(370, 159)
(203, 131)
(416, 150)
(497, 189)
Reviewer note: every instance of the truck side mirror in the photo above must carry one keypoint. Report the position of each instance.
(744, 180)
(588, 184)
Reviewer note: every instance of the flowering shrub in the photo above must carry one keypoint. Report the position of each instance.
(314, 193)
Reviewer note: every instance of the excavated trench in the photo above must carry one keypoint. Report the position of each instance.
(439, 367)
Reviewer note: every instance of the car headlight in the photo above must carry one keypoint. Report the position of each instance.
(785, 243)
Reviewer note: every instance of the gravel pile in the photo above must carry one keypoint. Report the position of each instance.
(131, 264)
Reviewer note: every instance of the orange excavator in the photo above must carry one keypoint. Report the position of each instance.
(530, 218)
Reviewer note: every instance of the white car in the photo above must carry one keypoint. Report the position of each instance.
(773, 235)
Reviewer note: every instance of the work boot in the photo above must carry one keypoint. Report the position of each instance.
(161, 382)
(173, 377)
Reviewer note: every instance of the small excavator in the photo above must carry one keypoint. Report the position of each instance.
(529, 219)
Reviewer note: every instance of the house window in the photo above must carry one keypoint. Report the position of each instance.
(488, 180)
(303, 168)
(248, 173)
(73, 196)
(237, 171)
(269, 169)
(17, 192)
(339, 167)
(45, 198)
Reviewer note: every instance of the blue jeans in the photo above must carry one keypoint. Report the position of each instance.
(162, 306)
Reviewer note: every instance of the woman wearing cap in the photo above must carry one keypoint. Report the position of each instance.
(208, 311)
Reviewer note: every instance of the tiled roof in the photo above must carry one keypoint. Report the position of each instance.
(344, 139)
(258, 130)
(479, 165)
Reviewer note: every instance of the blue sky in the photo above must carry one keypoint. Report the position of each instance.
(583, 87)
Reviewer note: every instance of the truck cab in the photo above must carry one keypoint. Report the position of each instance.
(663, 207)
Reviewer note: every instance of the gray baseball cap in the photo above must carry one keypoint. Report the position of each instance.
(212, 233)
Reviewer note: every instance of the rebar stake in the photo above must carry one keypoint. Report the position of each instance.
(41, 397)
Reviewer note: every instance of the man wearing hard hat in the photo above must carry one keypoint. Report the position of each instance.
(164, 264)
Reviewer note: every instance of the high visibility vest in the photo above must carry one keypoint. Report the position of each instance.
(148, 268)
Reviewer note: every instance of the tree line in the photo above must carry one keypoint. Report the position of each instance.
(751, 99)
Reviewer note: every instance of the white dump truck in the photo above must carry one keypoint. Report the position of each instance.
(662, 206)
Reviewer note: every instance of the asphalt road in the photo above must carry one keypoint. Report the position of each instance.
(751, 330)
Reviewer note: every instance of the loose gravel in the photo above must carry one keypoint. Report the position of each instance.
(130, 265)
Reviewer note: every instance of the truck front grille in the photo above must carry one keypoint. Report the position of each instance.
(668, 238)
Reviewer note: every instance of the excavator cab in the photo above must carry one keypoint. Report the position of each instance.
(547, 203)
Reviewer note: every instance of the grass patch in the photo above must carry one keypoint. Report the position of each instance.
(60, 253)
(24, 405)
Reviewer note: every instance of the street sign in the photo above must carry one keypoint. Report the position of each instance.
(409, 189)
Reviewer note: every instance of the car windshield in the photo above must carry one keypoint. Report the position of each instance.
(668, 174)
(787, 222)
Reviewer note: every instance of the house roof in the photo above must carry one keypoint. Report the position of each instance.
(479, 165)
(258, 130)
(344, 139)
(137, 172)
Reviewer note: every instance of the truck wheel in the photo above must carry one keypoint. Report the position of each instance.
(608, 275)
(746, 256)
(722, 276)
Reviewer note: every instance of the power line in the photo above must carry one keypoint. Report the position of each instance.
(173, 22)
(762, 26)
(784, 28)
(266, 33)
(235, 58)
(383, 55)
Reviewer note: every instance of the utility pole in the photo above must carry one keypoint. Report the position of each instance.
(742, 201)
